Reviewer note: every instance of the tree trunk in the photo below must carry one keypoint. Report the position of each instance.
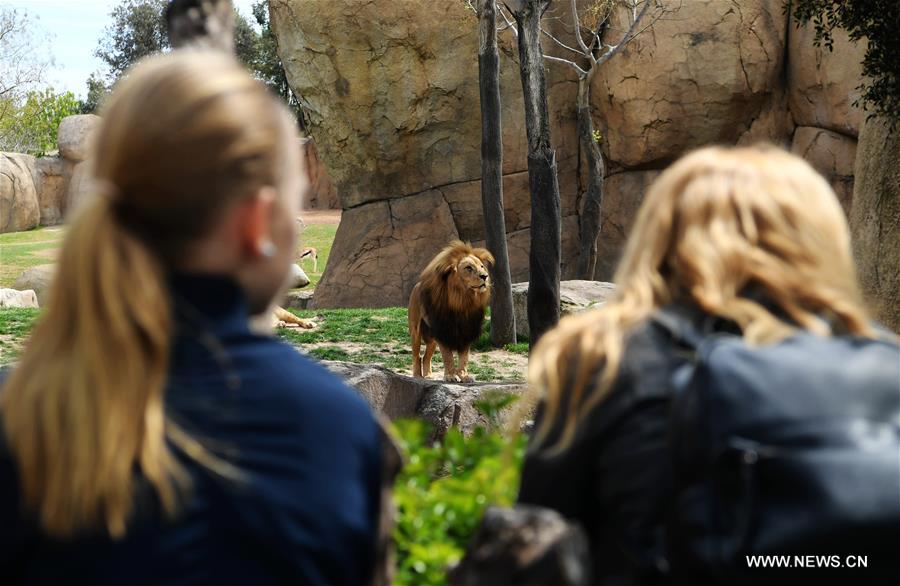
(544, 260)
(593, 202)
(503, 320)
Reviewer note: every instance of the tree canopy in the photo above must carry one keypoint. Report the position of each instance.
(138, 29)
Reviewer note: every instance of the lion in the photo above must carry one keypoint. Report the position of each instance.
(446, 308)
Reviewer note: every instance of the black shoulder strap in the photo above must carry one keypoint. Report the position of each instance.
(679, 324)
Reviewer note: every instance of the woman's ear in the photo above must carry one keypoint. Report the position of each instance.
(255, 226)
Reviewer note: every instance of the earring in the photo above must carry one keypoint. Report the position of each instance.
(268, 249)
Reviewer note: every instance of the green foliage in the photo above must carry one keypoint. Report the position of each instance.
(138, 29)
(96, 93)
(875, 20)
(444, 489)
(31, 125)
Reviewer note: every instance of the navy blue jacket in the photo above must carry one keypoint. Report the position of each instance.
(307, 448)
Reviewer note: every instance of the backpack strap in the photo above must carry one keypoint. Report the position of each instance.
(680, 323)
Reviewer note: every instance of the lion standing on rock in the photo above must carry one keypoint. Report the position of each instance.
(446, 308)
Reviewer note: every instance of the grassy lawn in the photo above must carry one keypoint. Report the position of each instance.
(22, 250)
(363, 336)
(380, 336)
(15, 325)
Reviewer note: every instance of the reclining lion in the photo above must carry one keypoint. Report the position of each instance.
(446, 308)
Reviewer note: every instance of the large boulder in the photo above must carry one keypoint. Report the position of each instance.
(574, 297)
(441, 404)
(831, 154)
(702, 76)
(875, 219)
(74, 136)
(823, 84)
(37, 279)
(52, 177)
(19, 209)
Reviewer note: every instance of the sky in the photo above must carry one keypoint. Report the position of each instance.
(74, 28)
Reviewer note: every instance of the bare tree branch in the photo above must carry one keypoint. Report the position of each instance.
(561, 44)
(571, 64)
(580, 40)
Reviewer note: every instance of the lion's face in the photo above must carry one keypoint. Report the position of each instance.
(474, 276)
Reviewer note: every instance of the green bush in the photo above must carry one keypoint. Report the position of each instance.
(444, 489)
(31, 126)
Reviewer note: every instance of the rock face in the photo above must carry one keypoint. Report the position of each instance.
(322, 193)
(702, 76)
(382, 247)
(393, 101)
(37, 279)
(52, 178)
(15, 298)
(875, 220)
(75, 135)
(441, 404)
(19, 209)
(822, 83)
(832, 155)
(574, 297)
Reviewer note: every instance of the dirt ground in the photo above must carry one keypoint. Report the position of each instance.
(310, 217)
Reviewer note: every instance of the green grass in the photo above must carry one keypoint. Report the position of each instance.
(22, 250)
(383, 337)
(320, 237)
(15, 325)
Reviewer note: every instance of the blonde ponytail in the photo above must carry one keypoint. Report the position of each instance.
(93, 376)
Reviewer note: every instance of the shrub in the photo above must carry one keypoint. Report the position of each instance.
(444, 489)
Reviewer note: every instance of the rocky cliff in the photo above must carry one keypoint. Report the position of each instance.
(391, 89)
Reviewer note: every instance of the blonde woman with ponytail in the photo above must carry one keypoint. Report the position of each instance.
(146, 435)
(749, 241)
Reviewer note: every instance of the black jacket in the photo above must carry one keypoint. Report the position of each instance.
(615, 479)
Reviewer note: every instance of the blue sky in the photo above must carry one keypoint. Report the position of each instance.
(74, 27)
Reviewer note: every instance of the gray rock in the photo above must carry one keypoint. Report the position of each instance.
(22, 299)
(525, 546)
(444, 405)
(37, 279)
(574, 297)
(298, 300)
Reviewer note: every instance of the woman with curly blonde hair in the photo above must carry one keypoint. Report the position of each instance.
(749, 241)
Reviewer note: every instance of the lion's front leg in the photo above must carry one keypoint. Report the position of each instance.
(426, 362)
(450, 374)
(464, 375)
